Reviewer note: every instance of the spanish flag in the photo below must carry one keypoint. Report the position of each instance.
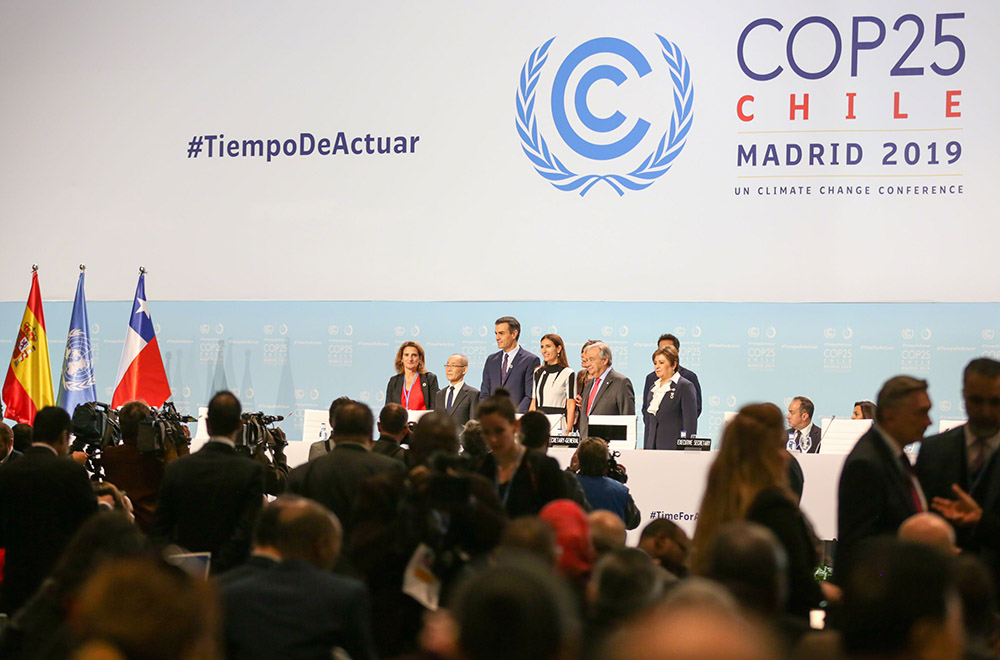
(28, 387)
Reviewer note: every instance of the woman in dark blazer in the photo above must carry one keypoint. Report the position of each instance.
(670, 407)
(403, 388)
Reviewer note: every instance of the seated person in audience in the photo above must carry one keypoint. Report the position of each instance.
(7, 451)
(602, 491)
(525, 480)
(473, 445)
(112, 499)
(576, 548)
(901, 603)
(864, 410)
(22, 436)
(665, 340)
(804, 436)
(669, 408)
(138, 474)
(668, 545)
(333, 479)
(931, 530)
(298, 608)
(392, 432)
(607, 531)
(979, 607)
(264, 554)
(438, 503)
(748, 480)
(413, 386)
(535, 436)
(144, 608)
(458, 398)
(321, 447)
(608, 392)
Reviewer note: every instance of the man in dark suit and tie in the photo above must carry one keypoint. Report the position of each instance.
(210, 499)
(297, 608)
(511, 368)
(804, 436)
(45, 497)
(7, 451)
(457, 399)
(878, 486)
(956, 457)
(608, 392)
(668, 339)
(393, 430)
(333, 479)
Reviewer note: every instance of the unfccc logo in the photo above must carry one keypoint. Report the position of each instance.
(608, 143)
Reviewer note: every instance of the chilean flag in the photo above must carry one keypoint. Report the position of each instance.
(141, 375)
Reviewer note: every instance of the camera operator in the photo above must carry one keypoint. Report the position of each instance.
(256, 440)
(602, 491)
(137, 473)
(439, 507)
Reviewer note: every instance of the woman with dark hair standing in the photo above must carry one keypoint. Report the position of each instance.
(864, 410)
(525, 480)
(413, 387)
(749, 481)
(554, 392)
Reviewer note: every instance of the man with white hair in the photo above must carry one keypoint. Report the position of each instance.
(608, 392)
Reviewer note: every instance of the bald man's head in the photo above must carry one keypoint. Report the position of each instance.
(931, 530)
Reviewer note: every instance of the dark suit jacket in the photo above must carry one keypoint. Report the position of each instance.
(389, 447)
(673, 416)
(874, 496)
(139, 475)
(519, 380)
(209, 502)
(685, 373)
(985, 536)
(295, 611)
(45, 498)
(12, 456)
(463, 406)
(615, 397)
(333, 479)
(943, 460)
(428, 385)
(815, 436)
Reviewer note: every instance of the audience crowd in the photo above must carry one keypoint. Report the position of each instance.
(439, 541)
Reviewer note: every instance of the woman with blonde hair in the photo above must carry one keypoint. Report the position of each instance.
(413, 387)
(749, 481)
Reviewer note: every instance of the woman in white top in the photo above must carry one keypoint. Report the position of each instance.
(670, 407)
(554, 392)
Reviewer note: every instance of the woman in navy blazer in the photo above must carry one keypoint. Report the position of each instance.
(403, 388)
(670, 407)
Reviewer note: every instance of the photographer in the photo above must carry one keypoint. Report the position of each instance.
(602, 491)
(438, 507)
(138, 473)
(257, 439)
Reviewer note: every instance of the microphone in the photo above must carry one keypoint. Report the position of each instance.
(823, 435)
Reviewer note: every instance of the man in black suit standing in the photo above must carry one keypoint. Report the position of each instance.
(333, 479)
(7, 451)
(458, 399)
(804, 436)
(512, 367)
(608, 392)
(210, 499)
(668, 339)
(393, 429)
(957, 457)
(45, 498)
(297, 608)
(878, 486)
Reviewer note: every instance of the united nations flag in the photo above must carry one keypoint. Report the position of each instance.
(77, 384)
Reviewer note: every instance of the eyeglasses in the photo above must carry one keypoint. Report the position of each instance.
(453, 366)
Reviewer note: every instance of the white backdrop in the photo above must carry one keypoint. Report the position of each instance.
(102, 101)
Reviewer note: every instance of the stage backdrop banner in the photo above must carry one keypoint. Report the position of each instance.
(759, 151)
(286, 357)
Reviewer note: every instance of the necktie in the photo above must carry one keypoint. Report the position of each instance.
(977, 456)
(911, 475)
(451, 392)
(593, 393)
(798, 440)
(503, 373)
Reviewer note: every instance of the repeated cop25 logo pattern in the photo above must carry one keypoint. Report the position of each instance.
(655, 165)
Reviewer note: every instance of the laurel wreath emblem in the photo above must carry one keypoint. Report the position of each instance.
(653, 167)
